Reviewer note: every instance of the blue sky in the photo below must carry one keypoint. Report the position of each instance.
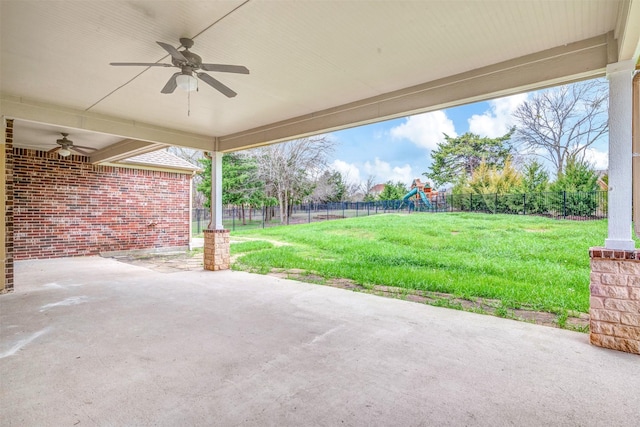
(400, 149)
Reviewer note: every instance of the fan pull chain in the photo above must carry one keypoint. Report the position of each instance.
(189, 104)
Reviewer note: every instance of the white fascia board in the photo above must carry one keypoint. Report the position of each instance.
(123, 150)
(564, 64)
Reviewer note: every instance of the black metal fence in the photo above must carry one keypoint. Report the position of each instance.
(580, 206)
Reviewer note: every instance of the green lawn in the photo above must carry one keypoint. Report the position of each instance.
(523, 261)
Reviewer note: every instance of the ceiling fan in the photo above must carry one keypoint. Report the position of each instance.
(66, 146)
(189, 64)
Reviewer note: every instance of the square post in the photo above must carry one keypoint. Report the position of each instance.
(620, 155)
(615, 269)
(6, 206)
(216, 238)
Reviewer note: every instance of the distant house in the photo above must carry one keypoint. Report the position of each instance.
(377, 189)
(603, 179)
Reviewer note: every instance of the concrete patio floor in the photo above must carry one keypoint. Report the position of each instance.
(92, 341)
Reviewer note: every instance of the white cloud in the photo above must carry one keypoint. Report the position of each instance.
(598, 159)
(498, 119)
(349, 171)
(425, 130)
(384, 172)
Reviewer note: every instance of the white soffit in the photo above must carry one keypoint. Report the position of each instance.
(305, 58)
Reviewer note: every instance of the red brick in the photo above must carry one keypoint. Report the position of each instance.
(53, 217)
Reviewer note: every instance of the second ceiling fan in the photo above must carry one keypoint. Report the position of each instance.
(189, 64)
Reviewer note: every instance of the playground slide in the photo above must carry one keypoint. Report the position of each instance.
(424, 199)
(409, 194)
(420, 193)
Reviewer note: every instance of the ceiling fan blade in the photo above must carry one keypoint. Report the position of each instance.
(175, 54)
(77, 150)
(225, 68)
(216, 85)
(53, 150)
(171, 84)
(140, 64)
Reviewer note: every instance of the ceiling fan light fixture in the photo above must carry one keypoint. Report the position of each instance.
(64, 152)
(187, 82)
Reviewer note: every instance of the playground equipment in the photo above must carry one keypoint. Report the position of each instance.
(420, 192)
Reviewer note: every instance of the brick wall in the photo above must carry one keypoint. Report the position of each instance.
(66, 206)
(615, 299)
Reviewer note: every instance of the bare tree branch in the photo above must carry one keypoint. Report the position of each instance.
(289, 168)
(562, 123)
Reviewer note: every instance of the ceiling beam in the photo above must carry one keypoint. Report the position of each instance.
(564, 64)
(628, 31)
(25, 109)
(123, 150)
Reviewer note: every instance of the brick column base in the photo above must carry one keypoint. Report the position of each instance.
(216, 250)
(615, 299)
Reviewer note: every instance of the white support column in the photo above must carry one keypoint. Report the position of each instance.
(620, 115)
(216, 191)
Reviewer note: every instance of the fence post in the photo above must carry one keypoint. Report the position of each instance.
(357, 208)
(564, 204)
(233, 218)
(524, 203)
(343, 203)
(327, 211)
(309, 212)
(264, 214)
(368, 205)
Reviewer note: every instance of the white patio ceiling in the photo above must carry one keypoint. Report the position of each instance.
(315, 66)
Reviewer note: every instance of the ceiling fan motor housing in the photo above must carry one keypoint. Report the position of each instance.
(194, 61)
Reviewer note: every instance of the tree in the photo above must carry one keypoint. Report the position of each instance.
(393, 191)
(288, 169)
(577, 176)
(240, 183)
(330, 187)
(535, 178)
(491, 180)
(193, 157)
(563, 122)
(367, 188)
(576, 186)
(535, 182)
(456, 158)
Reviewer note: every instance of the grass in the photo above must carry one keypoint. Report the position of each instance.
(524, 262)
(245, 247)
